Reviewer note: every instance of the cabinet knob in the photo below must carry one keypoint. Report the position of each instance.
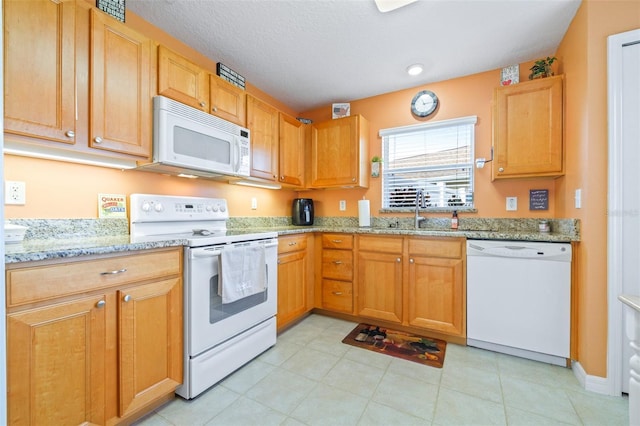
(336, 293)
(281, 177)
(398, 260)
(97, 139)
(127, 298)
(214, 109)
(337, 262)
(501, 169)
(70, 133)
(411, 261)
(279, 261)
(353, 179)
(101, 304)
(119, 271)
(202, 104)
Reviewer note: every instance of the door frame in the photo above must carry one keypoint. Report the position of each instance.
(615, 44)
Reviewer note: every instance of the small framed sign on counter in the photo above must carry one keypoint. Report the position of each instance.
(538, 199)
(112, 206)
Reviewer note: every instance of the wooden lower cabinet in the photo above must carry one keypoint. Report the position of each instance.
(416, 282)
(380, 278)
(102, 356)
(336, 280)
(294, 279)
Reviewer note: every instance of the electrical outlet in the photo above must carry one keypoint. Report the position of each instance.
(512, 204)
(343, 205)
(254, 203)
(15, 193)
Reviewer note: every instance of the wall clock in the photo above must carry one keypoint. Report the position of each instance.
(424, 103)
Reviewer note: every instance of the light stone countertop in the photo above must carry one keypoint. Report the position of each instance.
(631, 301)
(68, 238)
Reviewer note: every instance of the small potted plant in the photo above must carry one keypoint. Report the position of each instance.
(375, 166)
(542, 68)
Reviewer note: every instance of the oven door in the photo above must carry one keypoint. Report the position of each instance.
(209, 322)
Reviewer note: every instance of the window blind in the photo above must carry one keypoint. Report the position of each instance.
(435, 157)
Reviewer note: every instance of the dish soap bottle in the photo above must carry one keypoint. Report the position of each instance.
(454, 220)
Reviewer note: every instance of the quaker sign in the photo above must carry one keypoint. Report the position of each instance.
(539, 199)
(114, 8)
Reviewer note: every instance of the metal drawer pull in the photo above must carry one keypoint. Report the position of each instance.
(411, 261)
(101, 304)
(127, 298)
(337, 293)
(336, 241)
(70, 133)
(97, 139)
(119, 271)
(293, 243)
(338, 262)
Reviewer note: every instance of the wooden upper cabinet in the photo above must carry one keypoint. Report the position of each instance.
(339, 151)
(182, 80)
(292, 152)
(227, 101)
(39, 69)
(528, 129)
(120, 116)
(262, 121)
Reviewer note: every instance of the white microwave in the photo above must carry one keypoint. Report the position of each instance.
(189, 141)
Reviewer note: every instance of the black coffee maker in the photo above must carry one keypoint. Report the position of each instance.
(302, 211)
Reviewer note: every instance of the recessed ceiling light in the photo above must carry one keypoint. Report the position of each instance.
(415, 69)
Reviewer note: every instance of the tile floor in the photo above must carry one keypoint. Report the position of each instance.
(311, 378)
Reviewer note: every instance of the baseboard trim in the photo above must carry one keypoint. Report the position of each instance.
(595, 384)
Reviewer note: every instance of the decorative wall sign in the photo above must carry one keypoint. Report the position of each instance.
(510, 75)
(340, 110)
(230, 75)
(111, 206)
(114, 8)
(539, 199)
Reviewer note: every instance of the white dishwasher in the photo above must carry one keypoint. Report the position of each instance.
(519, 298)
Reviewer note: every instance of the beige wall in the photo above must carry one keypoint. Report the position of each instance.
(583, 58)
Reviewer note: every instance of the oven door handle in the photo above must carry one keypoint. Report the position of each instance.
(205, 253)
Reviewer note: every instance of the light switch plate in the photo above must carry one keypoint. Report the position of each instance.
(578, 199)
(254, 203)
(343, 205)
(512, 204)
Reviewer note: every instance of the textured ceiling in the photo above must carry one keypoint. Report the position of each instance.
(309, 53)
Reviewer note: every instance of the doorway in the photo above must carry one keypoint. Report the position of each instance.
(624, 197)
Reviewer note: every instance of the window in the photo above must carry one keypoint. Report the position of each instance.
(436, 158)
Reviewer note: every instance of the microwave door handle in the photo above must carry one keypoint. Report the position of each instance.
(236, 154)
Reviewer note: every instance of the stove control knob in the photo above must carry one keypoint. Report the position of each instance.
(159, 207)
(214, 208)
(208, 208)
(223, 208)
(145, 206)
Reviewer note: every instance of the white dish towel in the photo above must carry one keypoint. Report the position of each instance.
(242, 272)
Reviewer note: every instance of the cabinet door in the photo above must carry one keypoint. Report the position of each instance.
(338, 151)
(56, 364)
(262, 121)
(182, 80)
(39, 69)
(292, 286)
(291, 151)
(528, 129)
(436, 294)
(120, 117)
(150, 337)
(380, 286)
(227, 101)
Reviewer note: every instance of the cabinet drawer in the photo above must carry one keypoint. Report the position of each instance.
(40, 283)
(337, 295)
(292, 243)
(380, 244)
(445, 247)
(337, 241)
(337, 264)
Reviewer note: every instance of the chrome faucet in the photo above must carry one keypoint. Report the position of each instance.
(420, 203)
